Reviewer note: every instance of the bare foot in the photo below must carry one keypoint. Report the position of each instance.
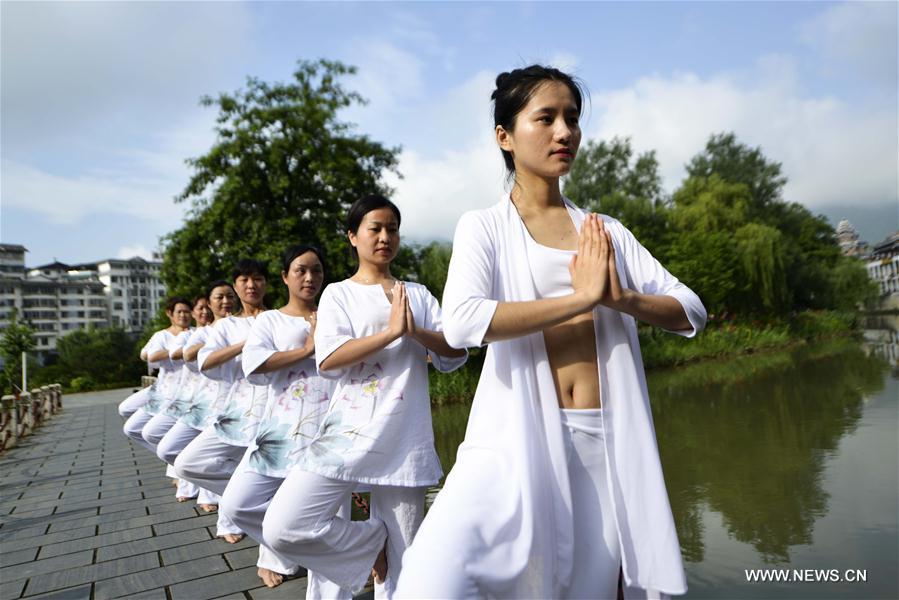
(379, 570)
(209, 507)
(174, 483)
(232, 538)
(270, 578)
(183, 498)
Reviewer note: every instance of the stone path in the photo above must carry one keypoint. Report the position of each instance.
(86, 514)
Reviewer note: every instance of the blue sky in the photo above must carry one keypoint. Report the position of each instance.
(100, 100)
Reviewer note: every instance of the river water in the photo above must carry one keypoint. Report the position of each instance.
(783, 461)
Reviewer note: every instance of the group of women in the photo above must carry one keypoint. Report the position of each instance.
(278, 416)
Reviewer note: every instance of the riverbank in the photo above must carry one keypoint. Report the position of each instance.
(660, 349)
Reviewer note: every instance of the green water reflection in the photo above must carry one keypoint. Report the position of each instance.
(748, 448)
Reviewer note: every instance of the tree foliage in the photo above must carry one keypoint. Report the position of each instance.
(17, 337)
(100, 356)
(726, 231)
(607, 178)
(284, 168)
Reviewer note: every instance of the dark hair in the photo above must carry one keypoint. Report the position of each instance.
(295, 250)
(515, 88)
(365, 205)
(248, 267)
(174, 301)
(219, 283)
(197, 299)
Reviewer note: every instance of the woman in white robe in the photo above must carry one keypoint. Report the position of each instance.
(543, 502)
(374, 334)
(280, 353)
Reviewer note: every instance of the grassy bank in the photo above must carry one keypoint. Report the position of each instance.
(662, 349)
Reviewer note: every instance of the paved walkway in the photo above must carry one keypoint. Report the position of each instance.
(85, 514)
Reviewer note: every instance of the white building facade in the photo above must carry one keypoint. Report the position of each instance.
(56, 299)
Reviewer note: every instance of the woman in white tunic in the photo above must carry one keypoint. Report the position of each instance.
(543, 502)
(375, 334)
(129, 405)
(280, 353)
(210, 459)
(170, 410)
(195, 414)
(163, 389)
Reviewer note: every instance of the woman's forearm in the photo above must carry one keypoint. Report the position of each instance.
(158, 356)
(516, 319)
(356, 350)
(221, 356)
(435, 341)
(662, 311)
(190, 352)
(280, 360)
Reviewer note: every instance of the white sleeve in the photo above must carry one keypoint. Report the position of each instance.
(333, 330)
(646, 275)
(260, 345)
(179, 342)
(433, 321)
(215, 341)
(467, 305)
(154, 345)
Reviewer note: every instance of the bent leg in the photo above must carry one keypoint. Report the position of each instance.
(156, 428)
(174, 441)
(129, 405)
(208, 461)
(135, 425)
(301, 523)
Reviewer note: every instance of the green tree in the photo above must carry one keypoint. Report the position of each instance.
(104, 356)
(433, 266)
(735, 162)
(284, 169)
(17, 337)
(607, 178)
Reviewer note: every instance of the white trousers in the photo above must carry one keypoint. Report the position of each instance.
(302, 523)
(437, 572)
(245, 501)
(134, 427)
(133, 402)
(170, 446)
(156, 428)
(209, 463)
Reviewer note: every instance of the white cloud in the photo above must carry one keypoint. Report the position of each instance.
(437, 188)
(831, 153)
(860, 35)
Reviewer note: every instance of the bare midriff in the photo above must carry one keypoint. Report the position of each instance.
(571, 349)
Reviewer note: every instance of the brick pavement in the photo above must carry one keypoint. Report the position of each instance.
(86, 514)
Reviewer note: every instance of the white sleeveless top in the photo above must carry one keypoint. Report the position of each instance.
(549, 268)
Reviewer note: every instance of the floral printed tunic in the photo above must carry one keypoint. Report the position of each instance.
(378, 427)
(297, 396)
(236, 421)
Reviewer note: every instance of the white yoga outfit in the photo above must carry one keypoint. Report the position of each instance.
(377, 431)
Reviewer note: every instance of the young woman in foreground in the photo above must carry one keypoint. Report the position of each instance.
(280, 353)
(558, 483)
(375, 334)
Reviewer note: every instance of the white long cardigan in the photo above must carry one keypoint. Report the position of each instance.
(505, 510)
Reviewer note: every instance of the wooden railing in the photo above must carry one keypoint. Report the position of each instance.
(22, 414)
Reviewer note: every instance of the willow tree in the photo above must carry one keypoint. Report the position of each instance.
(284, 168)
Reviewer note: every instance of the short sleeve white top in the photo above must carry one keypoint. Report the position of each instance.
(297, 396)
(239, 416)
(378, 428)
(163, 390)
(208, 394)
